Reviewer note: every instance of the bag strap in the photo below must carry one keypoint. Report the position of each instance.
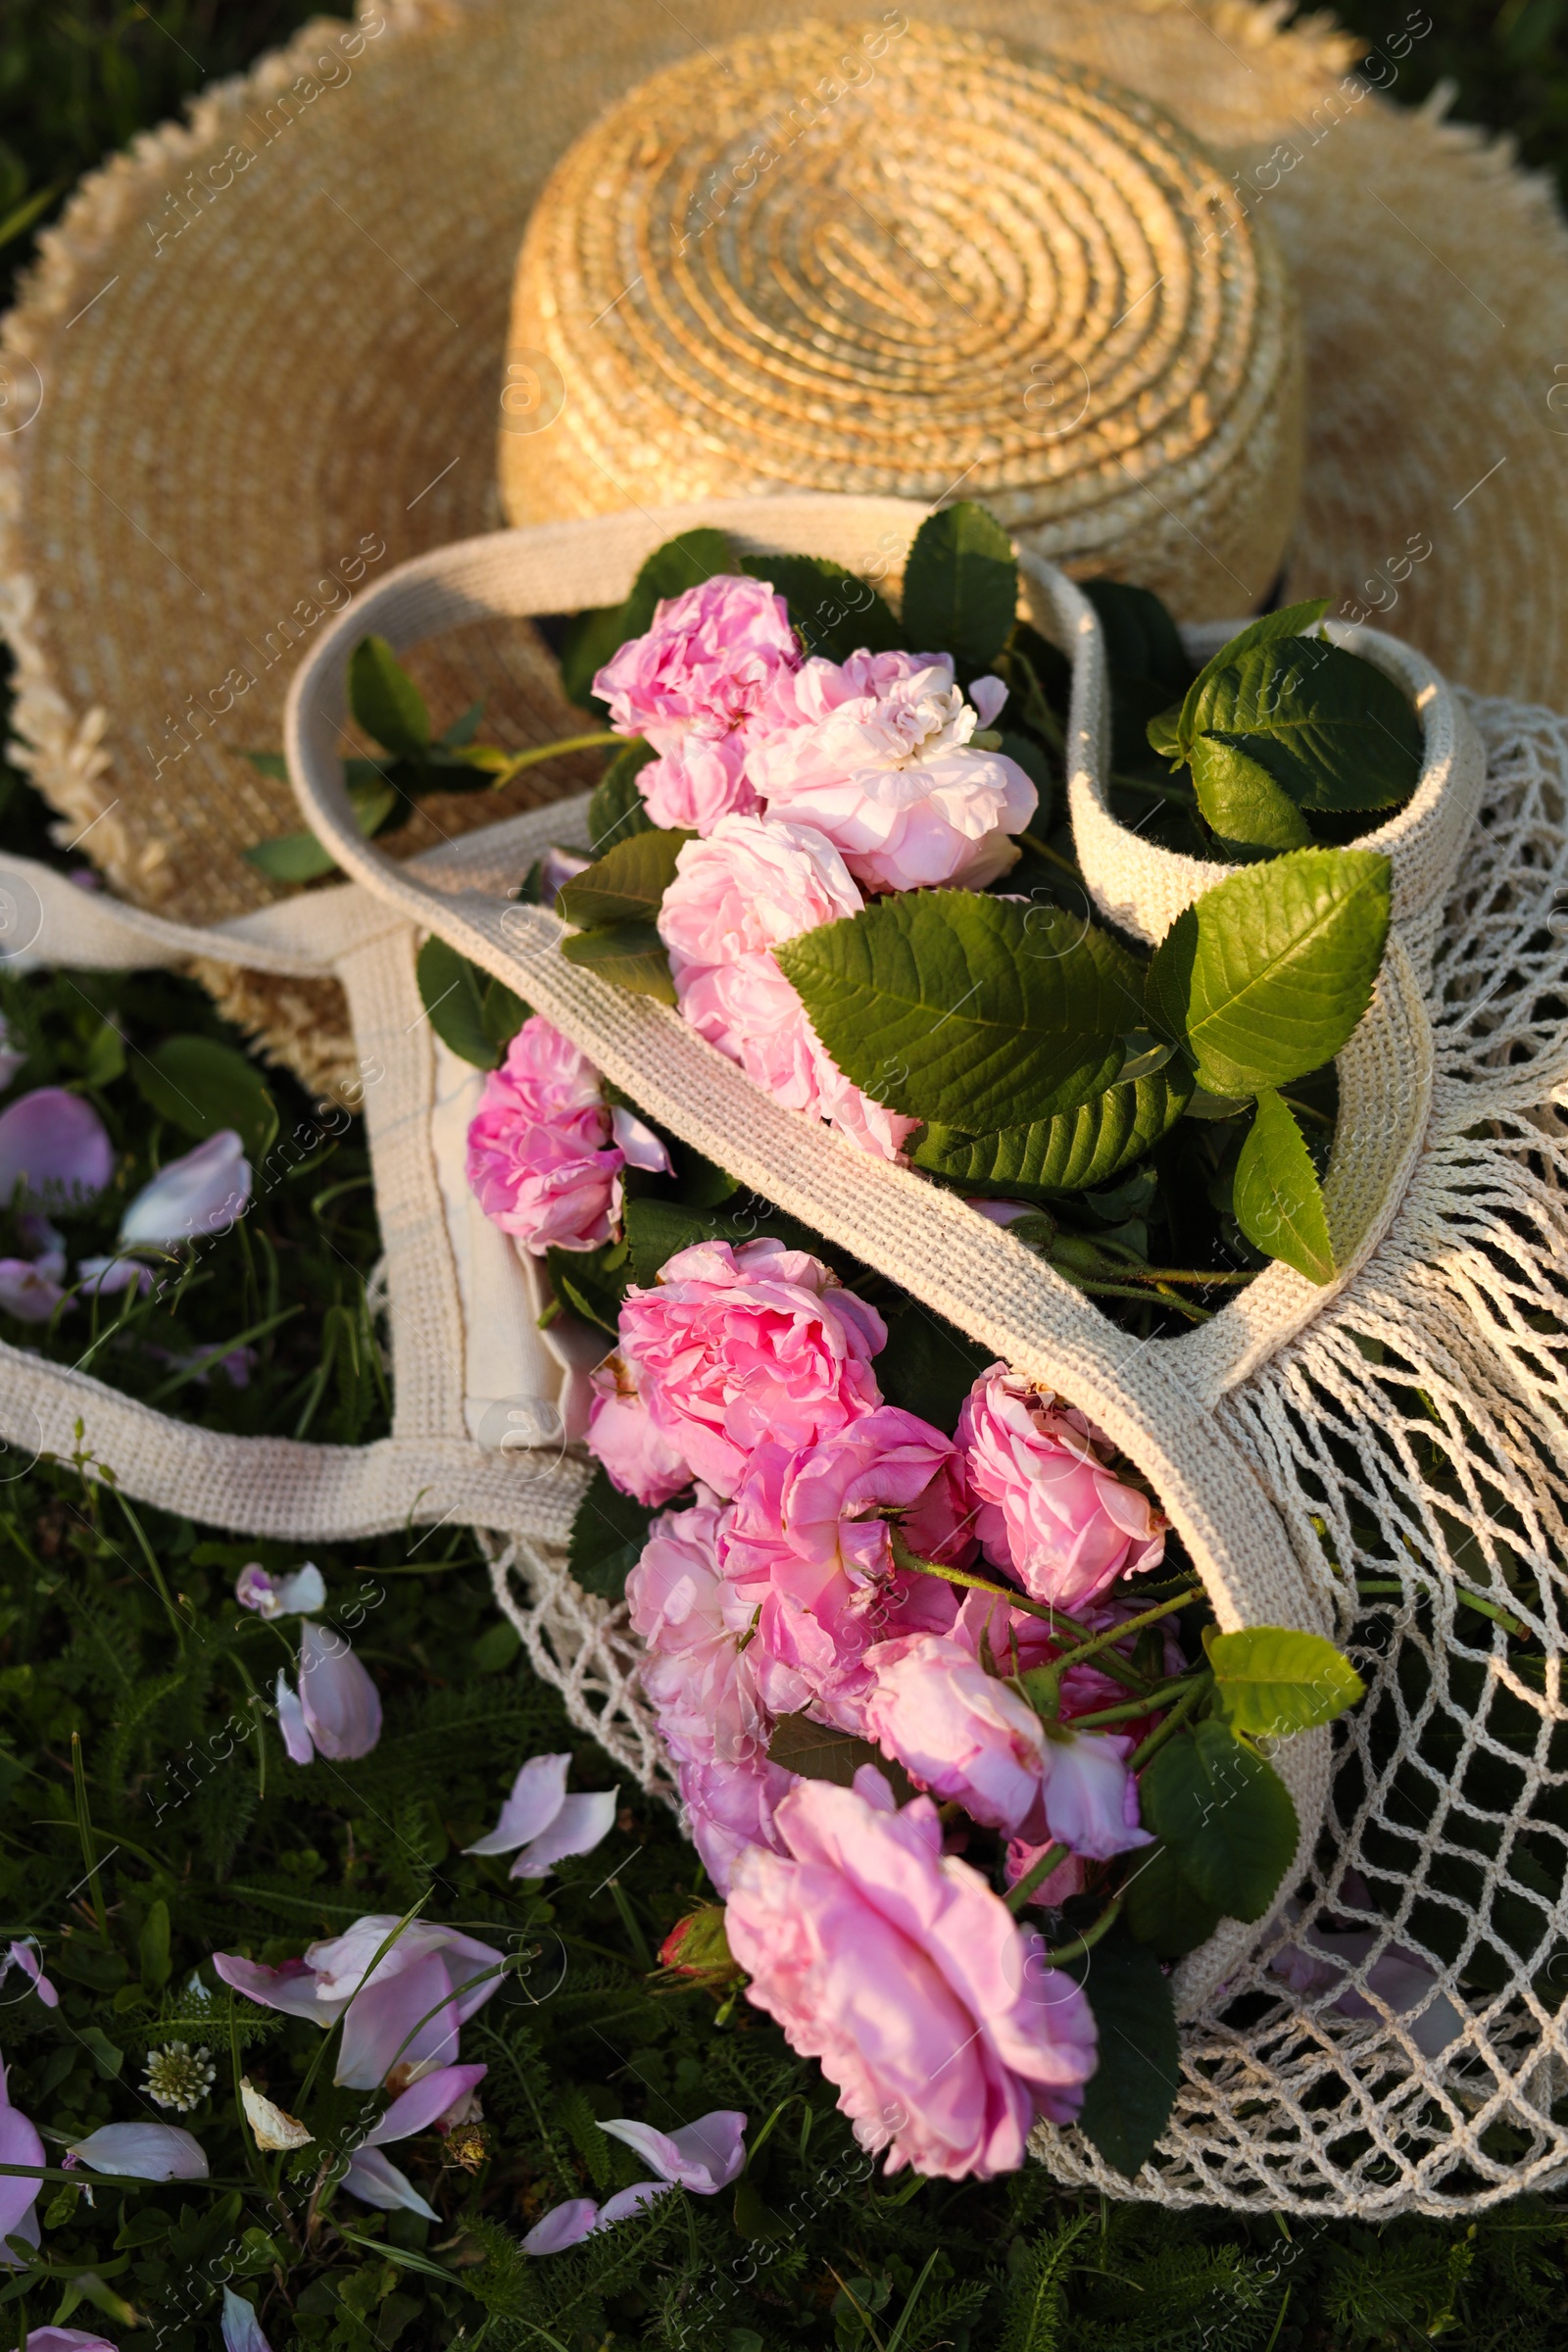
(430, 1468)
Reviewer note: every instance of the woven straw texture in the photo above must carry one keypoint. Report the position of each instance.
(954, 267)
(263, 339)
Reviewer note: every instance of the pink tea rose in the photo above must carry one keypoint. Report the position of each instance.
(805, 1547)
(545, 1153)
(692, 686)
(752, 884)
(622, 1435)
(912, 1983)
(732, 1344)
(731, 1808)
(959, 1733)
(1050, 1510)
(879, 759)
(752, 1014)
(691, 1621)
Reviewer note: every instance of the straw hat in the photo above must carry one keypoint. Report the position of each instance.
(263, 358)
(966, 269)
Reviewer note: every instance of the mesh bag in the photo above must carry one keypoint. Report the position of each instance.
(1292, 1441)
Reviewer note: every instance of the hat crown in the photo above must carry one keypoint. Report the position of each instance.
(792, 262)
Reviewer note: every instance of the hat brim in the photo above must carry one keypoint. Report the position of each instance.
(262, 349)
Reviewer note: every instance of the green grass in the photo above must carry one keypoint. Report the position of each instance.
(143, 1787)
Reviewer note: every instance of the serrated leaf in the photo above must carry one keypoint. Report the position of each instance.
(385, 701)
(587, 644)
(656, 1229)
(453, 992)
(631, 954)
(820, 1752)
(1147, 664)
(1267, 974)
(1270, 1683)
(836, 614)
(960, 587)
(1276, 1198)
(1068, 1154)
(1291, 621)
(972, 1011)
(1225, 1816)
(607, 1534)
(201, 1087)
(502, 1013)
(928, 1368)
(618, 808)
(1241, 802)
(1129, 2096)
(1161, 1909)
(627, 884)
(590, 1284)
(1295, 725)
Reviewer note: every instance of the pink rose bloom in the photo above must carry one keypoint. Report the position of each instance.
(692, 686)
(961, 1732)
(754, 883)
(806, 1546)
(732, 1344)
(638, 1456)
(1090, 1797)
(730, 1808)
(736, 895)
(909, 1982)
(545, 1153)
(691, 1620)
(876, 754)
(1050, 1510)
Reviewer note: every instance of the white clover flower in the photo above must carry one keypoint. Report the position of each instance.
(178, 2076)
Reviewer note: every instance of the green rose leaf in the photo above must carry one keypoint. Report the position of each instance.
(820, 1752)
(300, 857)
(608, 1536)
(960, 587)
(1270, 1683)
(618, 808)
(1068, 1154)
(1161, 1909)
(385, 701)
(592, 1283)
(1225, 1816)
(1133, 2088)
(1266, 975)
(1276, 1198)
(972, 1011)
(1296, 724)
(836, 614)
(927, 1368)
(631, 954)
(454, 993)
(627, 884)
(587, 643)
(201, 1087)
(656, 1229)
(1292, 621)
(1147, 667)
(1247, 810)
